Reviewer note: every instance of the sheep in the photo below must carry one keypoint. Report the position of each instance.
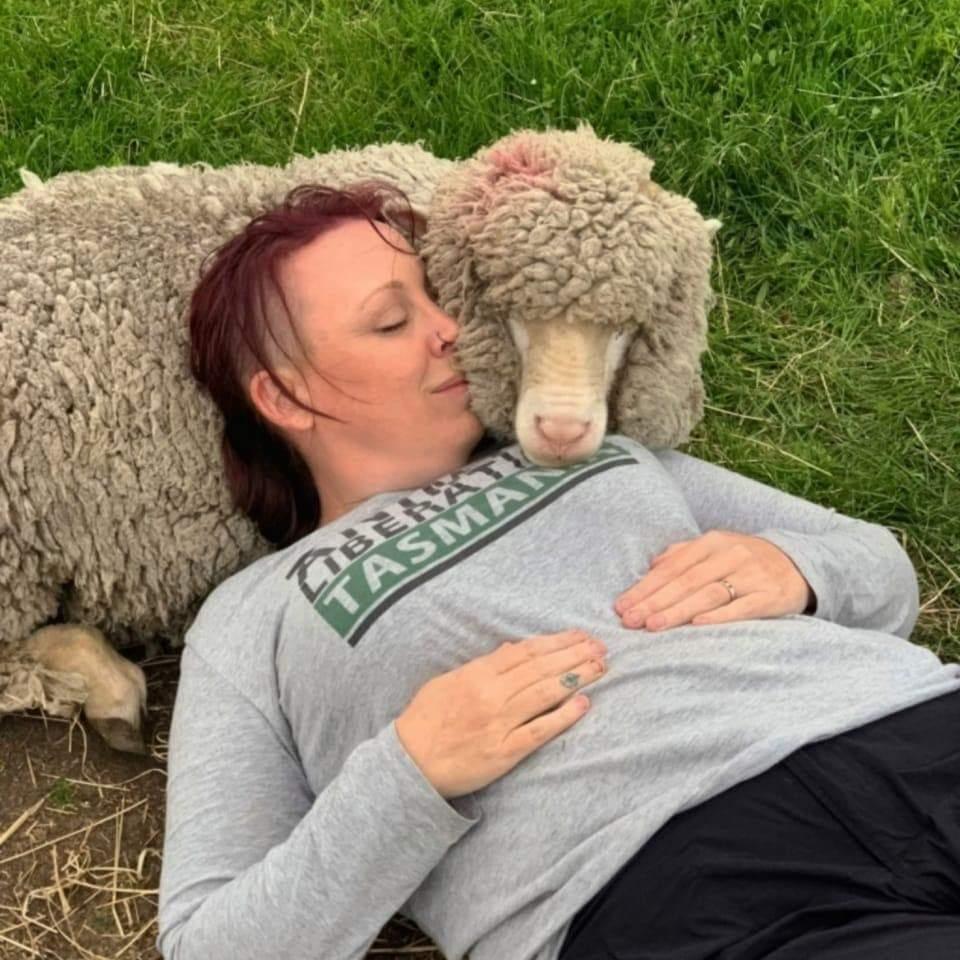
(113, 509)
(114, 514)
(580, 285)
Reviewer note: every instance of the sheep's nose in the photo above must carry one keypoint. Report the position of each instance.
(561, 431)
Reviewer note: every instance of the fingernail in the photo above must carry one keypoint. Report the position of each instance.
(655, 623)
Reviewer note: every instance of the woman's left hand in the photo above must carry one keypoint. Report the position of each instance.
(683, 584)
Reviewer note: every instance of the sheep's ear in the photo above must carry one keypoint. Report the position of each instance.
(410, 221)
(30, 180)
(712, 227)
(419, 231)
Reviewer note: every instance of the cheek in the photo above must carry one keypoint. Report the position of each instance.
(403, 366)
(385, 377)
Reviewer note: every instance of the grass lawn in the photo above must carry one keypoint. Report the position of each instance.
(825, 135)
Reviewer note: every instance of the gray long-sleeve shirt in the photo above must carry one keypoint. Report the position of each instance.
(297, 824)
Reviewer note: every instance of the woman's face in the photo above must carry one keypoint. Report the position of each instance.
(379, 350)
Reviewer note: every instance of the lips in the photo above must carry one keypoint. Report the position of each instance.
(452, 382)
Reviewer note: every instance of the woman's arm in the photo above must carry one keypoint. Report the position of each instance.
(255, 866)
(859, 573)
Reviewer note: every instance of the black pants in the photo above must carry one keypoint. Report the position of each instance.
(849, 849)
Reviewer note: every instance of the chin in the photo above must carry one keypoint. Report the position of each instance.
(473, 432)
(451, 445)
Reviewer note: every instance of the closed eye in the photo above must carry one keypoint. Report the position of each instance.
(393, 326)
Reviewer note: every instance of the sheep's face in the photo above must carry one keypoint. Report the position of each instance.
(581, 288)
(566, 373)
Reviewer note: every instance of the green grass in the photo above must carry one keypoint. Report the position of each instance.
(824, 135)
(61, 795)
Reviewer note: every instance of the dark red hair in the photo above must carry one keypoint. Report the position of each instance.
(229, 320)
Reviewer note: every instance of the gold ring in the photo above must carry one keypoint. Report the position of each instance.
(730, 590)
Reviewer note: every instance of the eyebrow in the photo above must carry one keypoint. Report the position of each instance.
(390, 285)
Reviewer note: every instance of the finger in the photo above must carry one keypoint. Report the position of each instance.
(511, 654)
(554, 664)
(576, 658)
(710, 542)
(546, 692)
(523, 740)
(754, 606)
(687, 585)
(654, 580)
(664, 553)
(705, 601)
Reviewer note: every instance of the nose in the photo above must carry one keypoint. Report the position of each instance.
(444, 337)
(560, 432)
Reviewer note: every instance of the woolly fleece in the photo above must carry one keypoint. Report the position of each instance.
(113, 507)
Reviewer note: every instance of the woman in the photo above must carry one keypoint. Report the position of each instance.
(383, 715)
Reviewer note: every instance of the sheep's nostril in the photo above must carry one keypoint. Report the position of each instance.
(561, 429)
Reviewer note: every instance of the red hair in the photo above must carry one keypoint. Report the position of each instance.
(229, 320)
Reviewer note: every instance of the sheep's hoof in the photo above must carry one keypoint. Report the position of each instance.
(116, 688)
(119, 734)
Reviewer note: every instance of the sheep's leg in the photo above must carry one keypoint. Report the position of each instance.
(28, 603)
(116, 688)
(30, 589)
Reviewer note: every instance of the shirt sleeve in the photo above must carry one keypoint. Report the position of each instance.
(859, 573)
(255, 865)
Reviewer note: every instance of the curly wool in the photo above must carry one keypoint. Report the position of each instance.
(564, 225)
(114, 510)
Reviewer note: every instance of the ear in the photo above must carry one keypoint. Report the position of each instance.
(274, 405)
(410, 221)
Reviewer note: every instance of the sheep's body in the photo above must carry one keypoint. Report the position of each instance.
(113, 508)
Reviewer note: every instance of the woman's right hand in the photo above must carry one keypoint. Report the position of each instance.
(468, 727)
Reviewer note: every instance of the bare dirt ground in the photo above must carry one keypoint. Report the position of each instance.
(81, 837)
